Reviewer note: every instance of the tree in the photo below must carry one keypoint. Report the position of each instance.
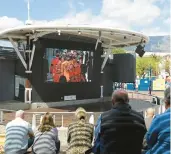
(167, 65)
(144, 64)
(118, 50)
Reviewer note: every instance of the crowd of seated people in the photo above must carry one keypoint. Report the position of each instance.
(67, 68)
(120, 130)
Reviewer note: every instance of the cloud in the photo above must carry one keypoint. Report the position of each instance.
(85, 17)
(167, 21)
(124, 14)
(81, 4)
(155, 31)
(6, 22)
(70, 4)
(139, 12)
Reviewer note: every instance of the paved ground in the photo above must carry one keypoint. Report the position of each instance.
(155, 93)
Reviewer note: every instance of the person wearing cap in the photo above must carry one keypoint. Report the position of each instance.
(158, 135)
(80, 134)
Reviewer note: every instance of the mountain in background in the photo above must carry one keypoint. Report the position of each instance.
(156, 44)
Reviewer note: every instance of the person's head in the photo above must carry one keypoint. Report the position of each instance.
(80, 114)
(47, 123)
(120, 96)
(57, 55)
(167, 97)
(62, 58)
(150, 113)
(19, 114)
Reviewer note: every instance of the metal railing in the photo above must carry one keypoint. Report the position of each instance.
(61, 119)
(140, 96)
(2, 111)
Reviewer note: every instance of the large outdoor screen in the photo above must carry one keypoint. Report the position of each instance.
(68, 65)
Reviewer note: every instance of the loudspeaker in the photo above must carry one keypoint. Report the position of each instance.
(140, 50)
(123, 68)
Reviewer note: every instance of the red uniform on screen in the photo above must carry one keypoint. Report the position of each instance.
(71, 70)
(53, 63)
(57, 72)
(64, 70)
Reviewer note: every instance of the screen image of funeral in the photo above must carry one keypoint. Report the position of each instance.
(68, 65)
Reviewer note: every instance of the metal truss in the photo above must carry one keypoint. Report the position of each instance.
(106, 56)
(29, 54)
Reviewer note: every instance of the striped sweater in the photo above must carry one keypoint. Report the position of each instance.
(80, 136)
(46, 143)
(158, 136)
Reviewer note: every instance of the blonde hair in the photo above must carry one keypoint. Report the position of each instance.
(47, 123)
(150, 112)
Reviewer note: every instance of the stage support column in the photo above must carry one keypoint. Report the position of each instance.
(29, 53)
(26, 60)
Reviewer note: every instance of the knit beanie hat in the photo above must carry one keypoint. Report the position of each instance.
(80, 112)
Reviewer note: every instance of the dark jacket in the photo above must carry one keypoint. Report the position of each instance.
(122, 130)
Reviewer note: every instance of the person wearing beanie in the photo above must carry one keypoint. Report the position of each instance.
(80, 134)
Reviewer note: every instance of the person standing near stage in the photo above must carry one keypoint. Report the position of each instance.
(80, 134)
(19, 135)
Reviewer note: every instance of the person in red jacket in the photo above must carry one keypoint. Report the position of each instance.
(54, 62)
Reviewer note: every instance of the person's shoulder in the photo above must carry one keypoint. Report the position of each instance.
(72, 125)
(26, 123)
(8, 124)
(55, 130)
(37, 133)
(164, 115)
(89, 125)
(107, 112)
(135, 113)
(11, 123)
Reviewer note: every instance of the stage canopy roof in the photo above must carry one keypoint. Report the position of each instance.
(110, 37)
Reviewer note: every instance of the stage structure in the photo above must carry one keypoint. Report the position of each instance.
(66, 62)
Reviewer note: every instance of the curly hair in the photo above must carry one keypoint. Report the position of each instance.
(47, 123)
